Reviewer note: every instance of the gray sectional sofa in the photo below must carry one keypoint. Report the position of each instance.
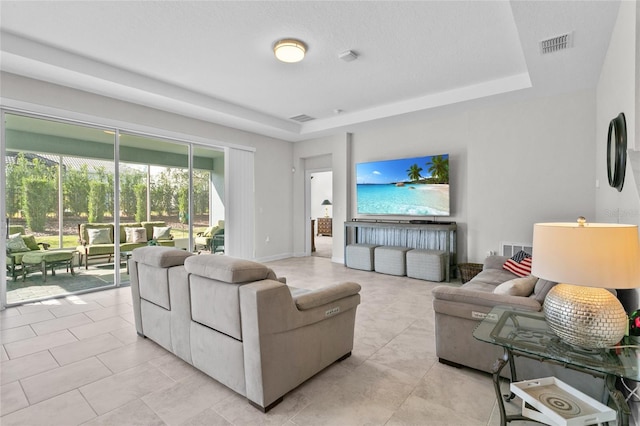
(236, 321)
(458, 310)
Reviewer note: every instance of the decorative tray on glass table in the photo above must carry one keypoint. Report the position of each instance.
(552, 401)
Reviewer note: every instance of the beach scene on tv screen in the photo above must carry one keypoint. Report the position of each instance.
(417, 186)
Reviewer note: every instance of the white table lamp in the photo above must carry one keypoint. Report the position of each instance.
(586, 259)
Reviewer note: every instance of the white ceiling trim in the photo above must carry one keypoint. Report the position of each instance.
(461, 94)
(35, 60)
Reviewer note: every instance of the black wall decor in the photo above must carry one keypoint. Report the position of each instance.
(617, 151)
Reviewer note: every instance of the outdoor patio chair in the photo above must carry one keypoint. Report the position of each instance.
(211, 239)
(15, 252)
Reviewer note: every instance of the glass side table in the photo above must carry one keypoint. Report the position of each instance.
(522, 333)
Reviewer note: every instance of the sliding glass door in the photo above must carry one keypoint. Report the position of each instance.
(58, 176)
(78, 199)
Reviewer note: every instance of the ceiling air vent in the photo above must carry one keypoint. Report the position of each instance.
(302, 118)
(554, 44)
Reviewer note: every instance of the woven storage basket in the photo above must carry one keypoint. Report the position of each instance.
(469, 270)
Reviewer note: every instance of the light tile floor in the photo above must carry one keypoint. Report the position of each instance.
(78, 360)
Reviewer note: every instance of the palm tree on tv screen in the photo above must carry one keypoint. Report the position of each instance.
(439, 169)
(414, 172)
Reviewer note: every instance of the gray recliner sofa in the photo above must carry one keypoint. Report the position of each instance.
(459, 310)
(237, 322)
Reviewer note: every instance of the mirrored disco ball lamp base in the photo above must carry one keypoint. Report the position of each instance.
(585, 316)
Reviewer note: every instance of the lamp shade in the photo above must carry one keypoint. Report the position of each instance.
(326, 203)
(602, 255)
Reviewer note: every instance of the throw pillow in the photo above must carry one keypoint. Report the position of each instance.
(16, 244)
(99, 236)
(519, 264)
(30, 241)
(517, 286)
(161, 232)
(136, 235)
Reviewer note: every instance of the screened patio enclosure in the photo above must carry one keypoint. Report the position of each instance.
(61, 175)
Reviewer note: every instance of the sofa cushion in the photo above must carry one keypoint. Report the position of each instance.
(99, 236)
(16, 244)
(149, 227)
(84, 230)
(491, 277)
(541, 289)
(30, 241)
(162, 232)
(135, 235)
(517, 286)
(163, 257)
(227, 269)
(123, 230)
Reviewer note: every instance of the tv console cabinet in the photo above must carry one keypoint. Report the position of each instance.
(424, 235)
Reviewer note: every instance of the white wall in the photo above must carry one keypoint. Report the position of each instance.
(511, 165)
(529, 162)
(616, 92)
(273, 184)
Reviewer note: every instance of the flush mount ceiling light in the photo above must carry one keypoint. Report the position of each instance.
(289, 50)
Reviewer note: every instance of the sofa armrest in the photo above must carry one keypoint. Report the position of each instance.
(320, 297)
(268, 304)
(483, 298)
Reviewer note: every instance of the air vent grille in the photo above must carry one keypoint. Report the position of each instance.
(554, 44)
(302, 118)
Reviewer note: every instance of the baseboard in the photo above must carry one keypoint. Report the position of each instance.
(274, 257)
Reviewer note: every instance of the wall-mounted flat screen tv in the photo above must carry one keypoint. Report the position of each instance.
(417, 186)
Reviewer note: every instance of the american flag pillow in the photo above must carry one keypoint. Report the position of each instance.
(519, 264)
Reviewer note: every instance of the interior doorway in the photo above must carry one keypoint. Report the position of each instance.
(321, 208)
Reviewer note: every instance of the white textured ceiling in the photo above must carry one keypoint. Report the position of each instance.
(212, 60)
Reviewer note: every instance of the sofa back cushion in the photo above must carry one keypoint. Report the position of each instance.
(30, 241)
(153, 271)
(16, 229)
(216, 304)
(541, 289)
(162, 257)
(494, 262)
(227, 269)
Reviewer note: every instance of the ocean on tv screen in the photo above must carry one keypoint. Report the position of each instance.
(414, 199)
